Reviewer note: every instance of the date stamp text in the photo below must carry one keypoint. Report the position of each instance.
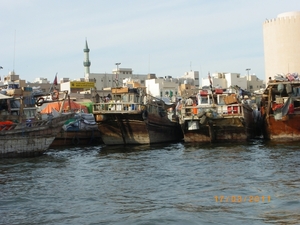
(240, 199)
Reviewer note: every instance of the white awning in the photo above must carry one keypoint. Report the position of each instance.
(2, 96)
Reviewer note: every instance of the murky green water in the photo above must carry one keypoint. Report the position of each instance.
(254, 183)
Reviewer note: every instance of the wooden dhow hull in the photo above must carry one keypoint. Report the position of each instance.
(132, 128)
(284, 130)
(75, 138)
(219, 130)
(131, 117)
(280, 106)
(236, 122)
(30, 139)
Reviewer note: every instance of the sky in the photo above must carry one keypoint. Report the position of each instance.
(40, 38)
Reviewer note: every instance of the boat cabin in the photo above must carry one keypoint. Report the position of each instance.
(217, 101)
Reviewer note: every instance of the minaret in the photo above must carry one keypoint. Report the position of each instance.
(86, 62)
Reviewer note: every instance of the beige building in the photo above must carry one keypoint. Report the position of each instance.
(115, 79)
(282, 44)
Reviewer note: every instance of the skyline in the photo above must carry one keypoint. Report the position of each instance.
(167, 38)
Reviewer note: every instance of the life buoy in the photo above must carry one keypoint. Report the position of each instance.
(55, 95)
(40, 101)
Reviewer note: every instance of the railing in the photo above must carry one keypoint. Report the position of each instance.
(222, 110)
(36, 123)
(116, 107)
(22, 125)
(8, 126)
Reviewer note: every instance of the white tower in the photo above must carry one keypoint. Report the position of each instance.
(86, 62)
(282, 44)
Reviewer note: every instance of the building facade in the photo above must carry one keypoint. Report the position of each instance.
(227, 80)
(191, 77)
(282, 44)
(115, 79)
(162, 87)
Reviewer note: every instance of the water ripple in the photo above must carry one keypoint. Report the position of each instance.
(177, 183)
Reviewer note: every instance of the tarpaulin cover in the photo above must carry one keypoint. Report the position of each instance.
(67, 107)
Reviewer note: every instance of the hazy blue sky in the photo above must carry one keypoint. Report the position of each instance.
(165, 37)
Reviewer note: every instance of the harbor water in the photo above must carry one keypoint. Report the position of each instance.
(179, 183)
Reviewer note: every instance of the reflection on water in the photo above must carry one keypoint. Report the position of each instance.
(253, 183)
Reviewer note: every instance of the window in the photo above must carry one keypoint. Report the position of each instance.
(204, 100)
(125, 98)
(131, 98)
(221, 99)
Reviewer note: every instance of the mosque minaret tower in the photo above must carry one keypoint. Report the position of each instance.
(86, 62)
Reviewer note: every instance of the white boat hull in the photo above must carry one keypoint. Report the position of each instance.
(25, 146)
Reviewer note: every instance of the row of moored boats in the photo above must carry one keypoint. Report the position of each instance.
(131, 116)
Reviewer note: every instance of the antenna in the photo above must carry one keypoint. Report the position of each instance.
(190, 65)
(149, 63)
(200, 76)
(14, 52)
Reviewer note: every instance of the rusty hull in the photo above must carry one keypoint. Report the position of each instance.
(287, 129)
(282, 127)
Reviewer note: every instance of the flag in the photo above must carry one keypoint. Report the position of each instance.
(55, 80)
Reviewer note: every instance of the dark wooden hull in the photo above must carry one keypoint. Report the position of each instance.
(132, 128)
(237, 128)
(75, 138)
(221, 130)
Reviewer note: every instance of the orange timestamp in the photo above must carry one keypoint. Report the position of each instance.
(239, 198)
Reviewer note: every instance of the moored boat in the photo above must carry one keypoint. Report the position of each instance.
(82, 129)
(133, 117)
(281, 110)
(29, 138)
(79, 130)
(24, 137)
(216, 116)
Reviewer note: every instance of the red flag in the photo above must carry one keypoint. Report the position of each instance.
(55, 80)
